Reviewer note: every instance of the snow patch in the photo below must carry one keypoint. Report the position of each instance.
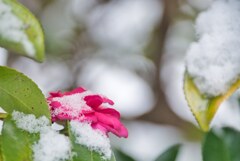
(214, 60)
(12, 28)
(75, 101)
(57, 127)
(29, 122)
(52, 146)
(93, 139)
(73, 104)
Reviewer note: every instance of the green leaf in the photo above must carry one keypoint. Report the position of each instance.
(202, 107)
(17, 92)
(82, 153)
(120, 156)
(214, 149)
(170, 154)
(16, 143)
(232, 140)
(23, 34)
(1, 159)
(221, 145)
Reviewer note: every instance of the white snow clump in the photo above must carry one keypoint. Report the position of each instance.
(51, 146)
(12, 28)
(29, 122)
(214, 60)
(93, 139)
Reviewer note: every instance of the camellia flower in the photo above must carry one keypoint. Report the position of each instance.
(84, 106)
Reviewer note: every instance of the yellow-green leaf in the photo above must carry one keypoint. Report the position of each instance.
(20, 31)
(18, 92)
(16, 144)
(202, 107)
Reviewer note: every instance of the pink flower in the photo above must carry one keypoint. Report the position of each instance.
(84, 106)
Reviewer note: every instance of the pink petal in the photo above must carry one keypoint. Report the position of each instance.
(107, 100)
(54, 94)
(101, 117)
(93, 101)
(112, 124)
(77, 90)
(99, 127)
(55, 104)
(109, 111)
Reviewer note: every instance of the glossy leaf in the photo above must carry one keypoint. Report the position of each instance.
(16, 143)
(17, 92)
(1, 159)
(170, 154)
(120, 156)
(221, 145)
(23, 34)
(204, 108)
(82, 153)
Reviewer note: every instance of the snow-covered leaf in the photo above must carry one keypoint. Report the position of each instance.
(82, 153)
(16, 144)
(17, 92)
(204, 108)
(20, 31)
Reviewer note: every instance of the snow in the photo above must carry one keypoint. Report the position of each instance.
(52, 146)
(93, 139)
(57, 127)
(74, 104)
(12, 28)
(29, 122)
(214, 60)
(3, 56)
(75, 100)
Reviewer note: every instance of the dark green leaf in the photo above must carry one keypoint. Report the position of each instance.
(222, 145)
(214, 149)
(17, 92)
(120, 156)
(170, 154)
(16, 143)
(29, 40)
(232, 140)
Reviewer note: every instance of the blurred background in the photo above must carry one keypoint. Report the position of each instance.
(133, 52)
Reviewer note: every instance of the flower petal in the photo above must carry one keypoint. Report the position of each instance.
(109, 111)
(112, 124)
(93, 101)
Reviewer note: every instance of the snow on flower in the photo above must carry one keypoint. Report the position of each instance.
(93, 139)
(84, 106)
(213, 61)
